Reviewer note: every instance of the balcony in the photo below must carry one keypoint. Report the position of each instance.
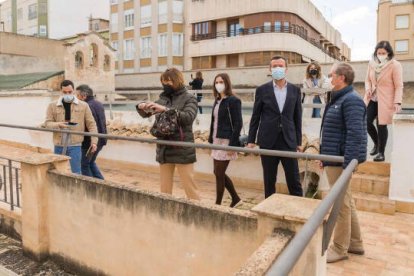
(284, 36)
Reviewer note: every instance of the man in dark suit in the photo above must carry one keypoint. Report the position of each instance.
(277, 123)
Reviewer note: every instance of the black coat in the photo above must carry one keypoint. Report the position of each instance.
(267, 122)
(230, 121)
(344, 127)
(186, 105)
(98, 113)
(196, 84)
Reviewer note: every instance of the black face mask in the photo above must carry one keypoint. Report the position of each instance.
(313, 72)
(168, 89)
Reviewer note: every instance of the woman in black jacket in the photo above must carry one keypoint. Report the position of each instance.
(226, 124)
(197, 84)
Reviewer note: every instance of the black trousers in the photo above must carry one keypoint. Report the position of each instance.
(379, 134)
(290, 166)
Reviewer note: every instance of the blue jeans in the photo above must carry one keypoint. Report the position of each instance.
(74, 152)
(89, 167)
(316, 112)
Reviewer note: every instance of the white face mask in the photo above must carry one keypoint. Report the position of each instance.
(278, 73)
(220, 87)
(68, 98)
(382, 58)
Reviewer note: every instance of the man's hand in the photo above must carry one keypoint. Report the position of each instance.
(93, 147)
(63, 125)
(251, 145)
(320, 163)
(397, 108)
(299, 149)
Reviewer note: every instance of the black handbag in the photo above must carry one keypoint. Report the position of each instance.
(166, 124)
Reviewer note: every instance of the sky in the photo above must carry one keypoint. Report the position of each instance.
(356, 20)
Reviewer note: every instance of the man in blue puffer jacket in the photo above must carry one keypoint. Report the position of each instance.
(344, 133)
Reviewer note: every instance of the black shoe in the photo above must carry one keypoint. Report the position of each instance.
(379, 158)
(374, 150)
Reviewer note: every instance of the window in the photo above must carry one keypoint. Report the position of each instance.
(115, 46)
(402, 21)
(162, 45)
(177, 44)
(278, 26)
(401, 46)
(96, 26)
(129, 49)
(233, 28)
(267, 26)
(129, 19)
(162, 12)
(286, 26)
(107, 63)
(20, 14)
(145, 47)
(401, 1)
(32, 11)
(177, 11)
(146, 16)
(114, 2)
(42, 30)
(93, 55)
(114, 22)
(79, 60)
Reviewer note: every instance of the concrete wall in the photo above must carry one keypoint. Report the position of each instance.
(139, 233)
(13, 64)
(250, 76)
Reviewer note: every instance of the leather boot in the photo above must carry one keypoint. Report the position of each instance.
(374, 150)
(380, 157)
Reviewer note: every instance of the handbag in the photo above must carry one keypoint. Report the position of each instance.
(243, 138)
(166, 124)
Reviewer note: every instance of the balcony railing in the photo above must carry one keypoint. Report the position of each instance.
(264, 29)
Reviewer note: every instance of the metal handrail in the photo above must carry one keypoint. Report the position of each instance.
(291, 254)
(288, 154)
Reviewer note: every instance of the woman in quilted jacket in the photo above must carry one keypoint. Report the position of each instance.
(175, 97)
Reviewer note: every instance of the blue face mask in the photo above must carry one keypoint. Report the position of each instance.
(278, 73)
(68, 98)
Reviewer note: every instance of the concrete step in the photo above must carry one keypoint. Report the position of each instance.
(375, 168)
(371, 184)
(374, 203)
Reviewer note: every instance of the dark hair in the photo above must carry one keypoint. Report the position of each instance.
(199, 75)
(280, 57)
(346, 70)
(228, 91)
(66, 83)
(318, 67)
(174, 75)
(384, 45)
(85, 90)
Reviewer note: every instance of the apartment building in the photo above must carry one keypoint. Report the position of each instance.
(241, 33)
(395, 23)
(50, 18)
(148, 34)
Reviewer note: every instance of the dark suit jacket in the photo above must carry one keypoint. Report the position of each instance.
(267, 122)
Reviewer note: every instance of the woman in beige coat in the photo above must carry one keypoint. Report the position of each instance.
(383, 95)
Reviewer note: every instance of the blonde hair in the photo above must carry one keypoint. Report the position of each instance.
(175, 76)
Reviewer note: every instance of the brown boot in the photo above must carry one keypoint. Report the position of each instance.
(333, 256)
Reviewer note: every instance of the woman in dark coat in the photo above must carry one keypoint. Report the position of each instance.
(175, 96)
(226, 124)
(197, 84)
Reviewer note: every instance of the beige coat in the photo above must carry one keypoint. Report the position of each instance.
(388, 87)
(80, 113)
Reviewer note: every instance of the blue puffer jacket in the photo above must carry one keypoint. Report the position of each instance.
(344, 127)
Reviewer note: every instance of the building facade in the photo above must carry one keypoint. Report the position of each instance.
(396, 24)
(49, 18)
(148, 34)
(243, 33)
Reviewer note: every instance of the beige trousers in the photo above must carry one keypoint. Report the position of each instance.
(347, 232)
(186, 173)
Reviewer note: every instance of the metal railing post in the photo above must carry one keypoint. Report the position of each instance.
(11, 184)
